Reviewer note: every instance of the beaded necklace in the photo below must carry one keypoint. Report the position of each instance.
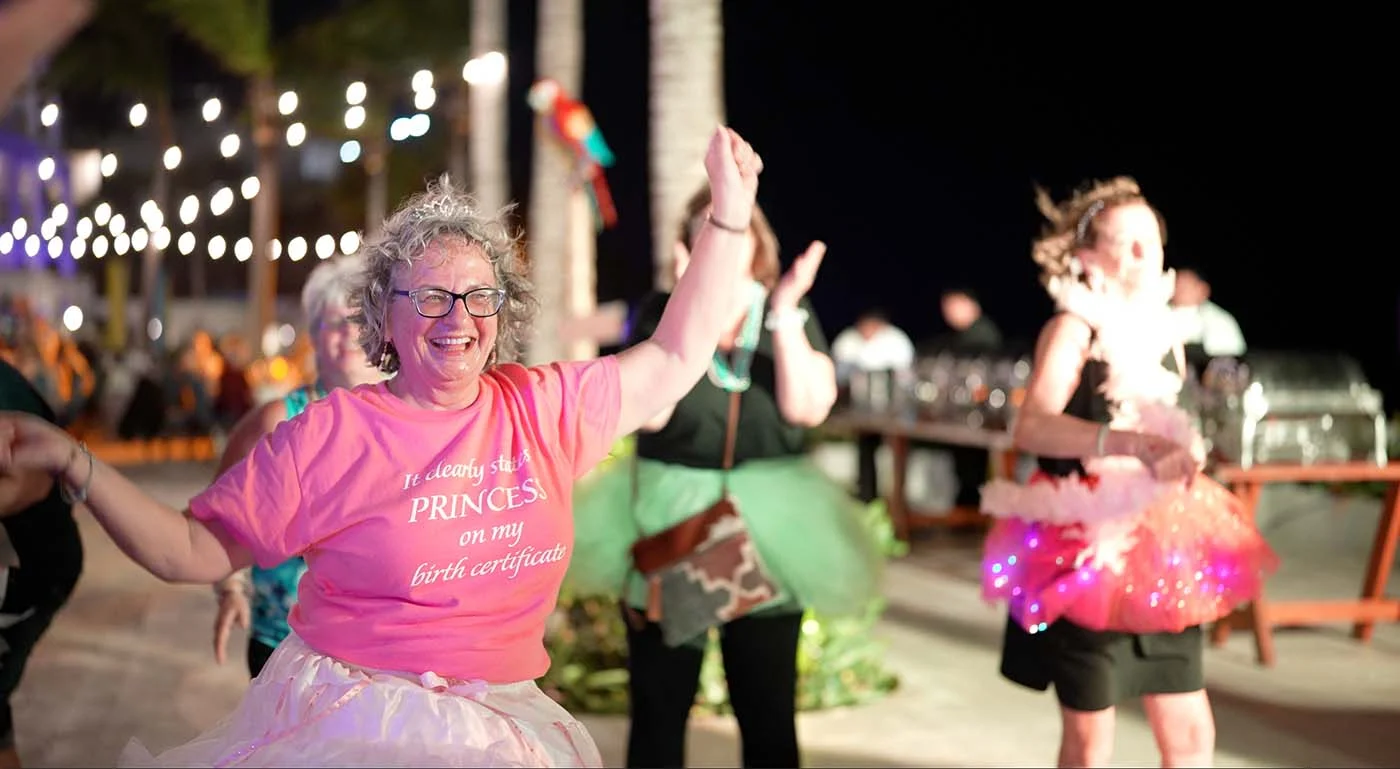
(734, 377)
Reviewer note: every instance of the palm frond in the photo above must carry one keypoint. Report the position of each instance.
(238, 33)
(123, 50)
(376, 35)
(380, 42)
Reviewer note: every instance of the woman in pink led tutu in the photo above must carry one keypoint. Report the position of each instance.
(1118, 549)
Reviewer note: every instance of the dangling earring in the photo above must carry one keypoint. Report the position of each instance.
(1093, 278)
(386, 356)
(1076, 268)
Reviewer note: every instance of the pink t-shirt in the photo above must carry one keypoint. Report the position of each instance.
(434, 540)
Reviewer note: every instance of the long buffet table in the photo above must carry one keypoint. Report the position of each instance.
(1261, 616)
(897, 433)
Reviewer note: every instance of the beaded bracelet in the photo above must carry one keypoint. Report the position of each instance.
(727, 228)
(1099, 442)
(65, 491)
(786, 319)
(237, 583)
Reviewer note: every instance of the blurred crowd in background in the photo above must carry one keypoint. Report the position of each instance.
(199, 385)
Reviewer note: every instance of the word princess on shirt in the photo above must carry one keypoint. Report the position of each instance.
(513, 490)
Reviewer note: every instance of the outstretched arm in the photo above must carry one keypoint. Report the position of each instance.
(166, 542)
(163, 540)
(658, 372)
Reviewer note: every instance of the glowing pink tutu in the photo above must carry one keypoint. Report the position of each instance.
(1187, 559)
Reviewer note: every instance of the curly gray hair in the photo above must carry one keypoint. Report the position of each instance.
(330, 285)
(440, 212)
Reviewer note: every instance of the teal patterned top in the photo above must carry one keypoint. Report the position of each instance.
(275, 589)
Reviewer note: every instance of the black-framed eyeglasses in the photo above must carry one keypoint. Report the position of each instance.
(437, 302)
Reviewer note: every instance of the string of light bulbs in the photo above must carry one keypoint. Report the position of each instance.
(45, 240)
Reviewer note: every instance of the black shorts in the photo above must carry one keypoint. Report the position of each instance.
(1094, 670)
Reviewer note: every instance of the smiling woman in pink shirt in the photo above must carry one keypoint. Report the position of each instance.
(433, 510)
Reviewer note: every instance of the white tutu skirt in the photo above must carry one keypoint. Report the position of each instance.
(307, 709)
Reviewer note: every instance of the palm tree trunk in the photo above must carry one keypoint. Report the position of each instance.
(558, 54)
(487, 115)
(376, 160)
(199, 280)
(262, 283)
(687, 102)
(582, 280)
(199, 269)
(118, 282)
(459, 134)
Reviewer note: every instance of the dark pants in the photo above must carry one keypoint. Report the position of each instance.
(258, 654)
(760, 667)
(969, 466)
(866, 488)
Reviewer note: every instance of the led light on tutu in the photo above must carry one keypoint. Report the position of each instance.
(1188, 559)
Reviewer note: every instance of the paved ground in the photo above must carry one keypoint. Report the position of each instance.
(131, 657)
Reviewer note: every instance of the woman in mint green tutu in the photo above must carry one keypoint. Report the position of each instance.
(807, 529)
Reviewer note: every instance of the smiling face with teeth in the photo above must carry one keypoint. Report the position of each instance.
(441, 358)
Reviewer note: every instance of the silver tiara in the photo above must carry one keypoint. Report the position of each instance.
(442, 207)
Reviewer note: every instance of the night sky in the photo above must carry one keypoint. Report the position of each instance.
(909, 141)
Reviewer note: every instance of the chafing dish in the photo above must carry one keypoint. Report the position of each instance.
(981, 391)
(1290, 407)
(883, 392)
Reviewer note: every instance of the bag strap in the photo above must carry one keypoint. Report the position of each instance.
(634, 618)
(731, 431)
(632, 501)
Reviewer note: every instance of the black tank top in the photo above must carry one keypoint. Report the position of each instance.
(1088, 402)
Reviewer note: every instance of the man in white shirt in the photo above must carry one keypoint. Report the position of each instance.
(1204, 322)
(872, 344)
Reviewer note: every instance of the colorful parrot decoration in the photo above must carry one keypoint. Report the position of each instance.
(574, 125)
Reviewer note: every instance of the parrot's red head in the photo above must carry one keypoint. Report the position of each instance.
(543, 95)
